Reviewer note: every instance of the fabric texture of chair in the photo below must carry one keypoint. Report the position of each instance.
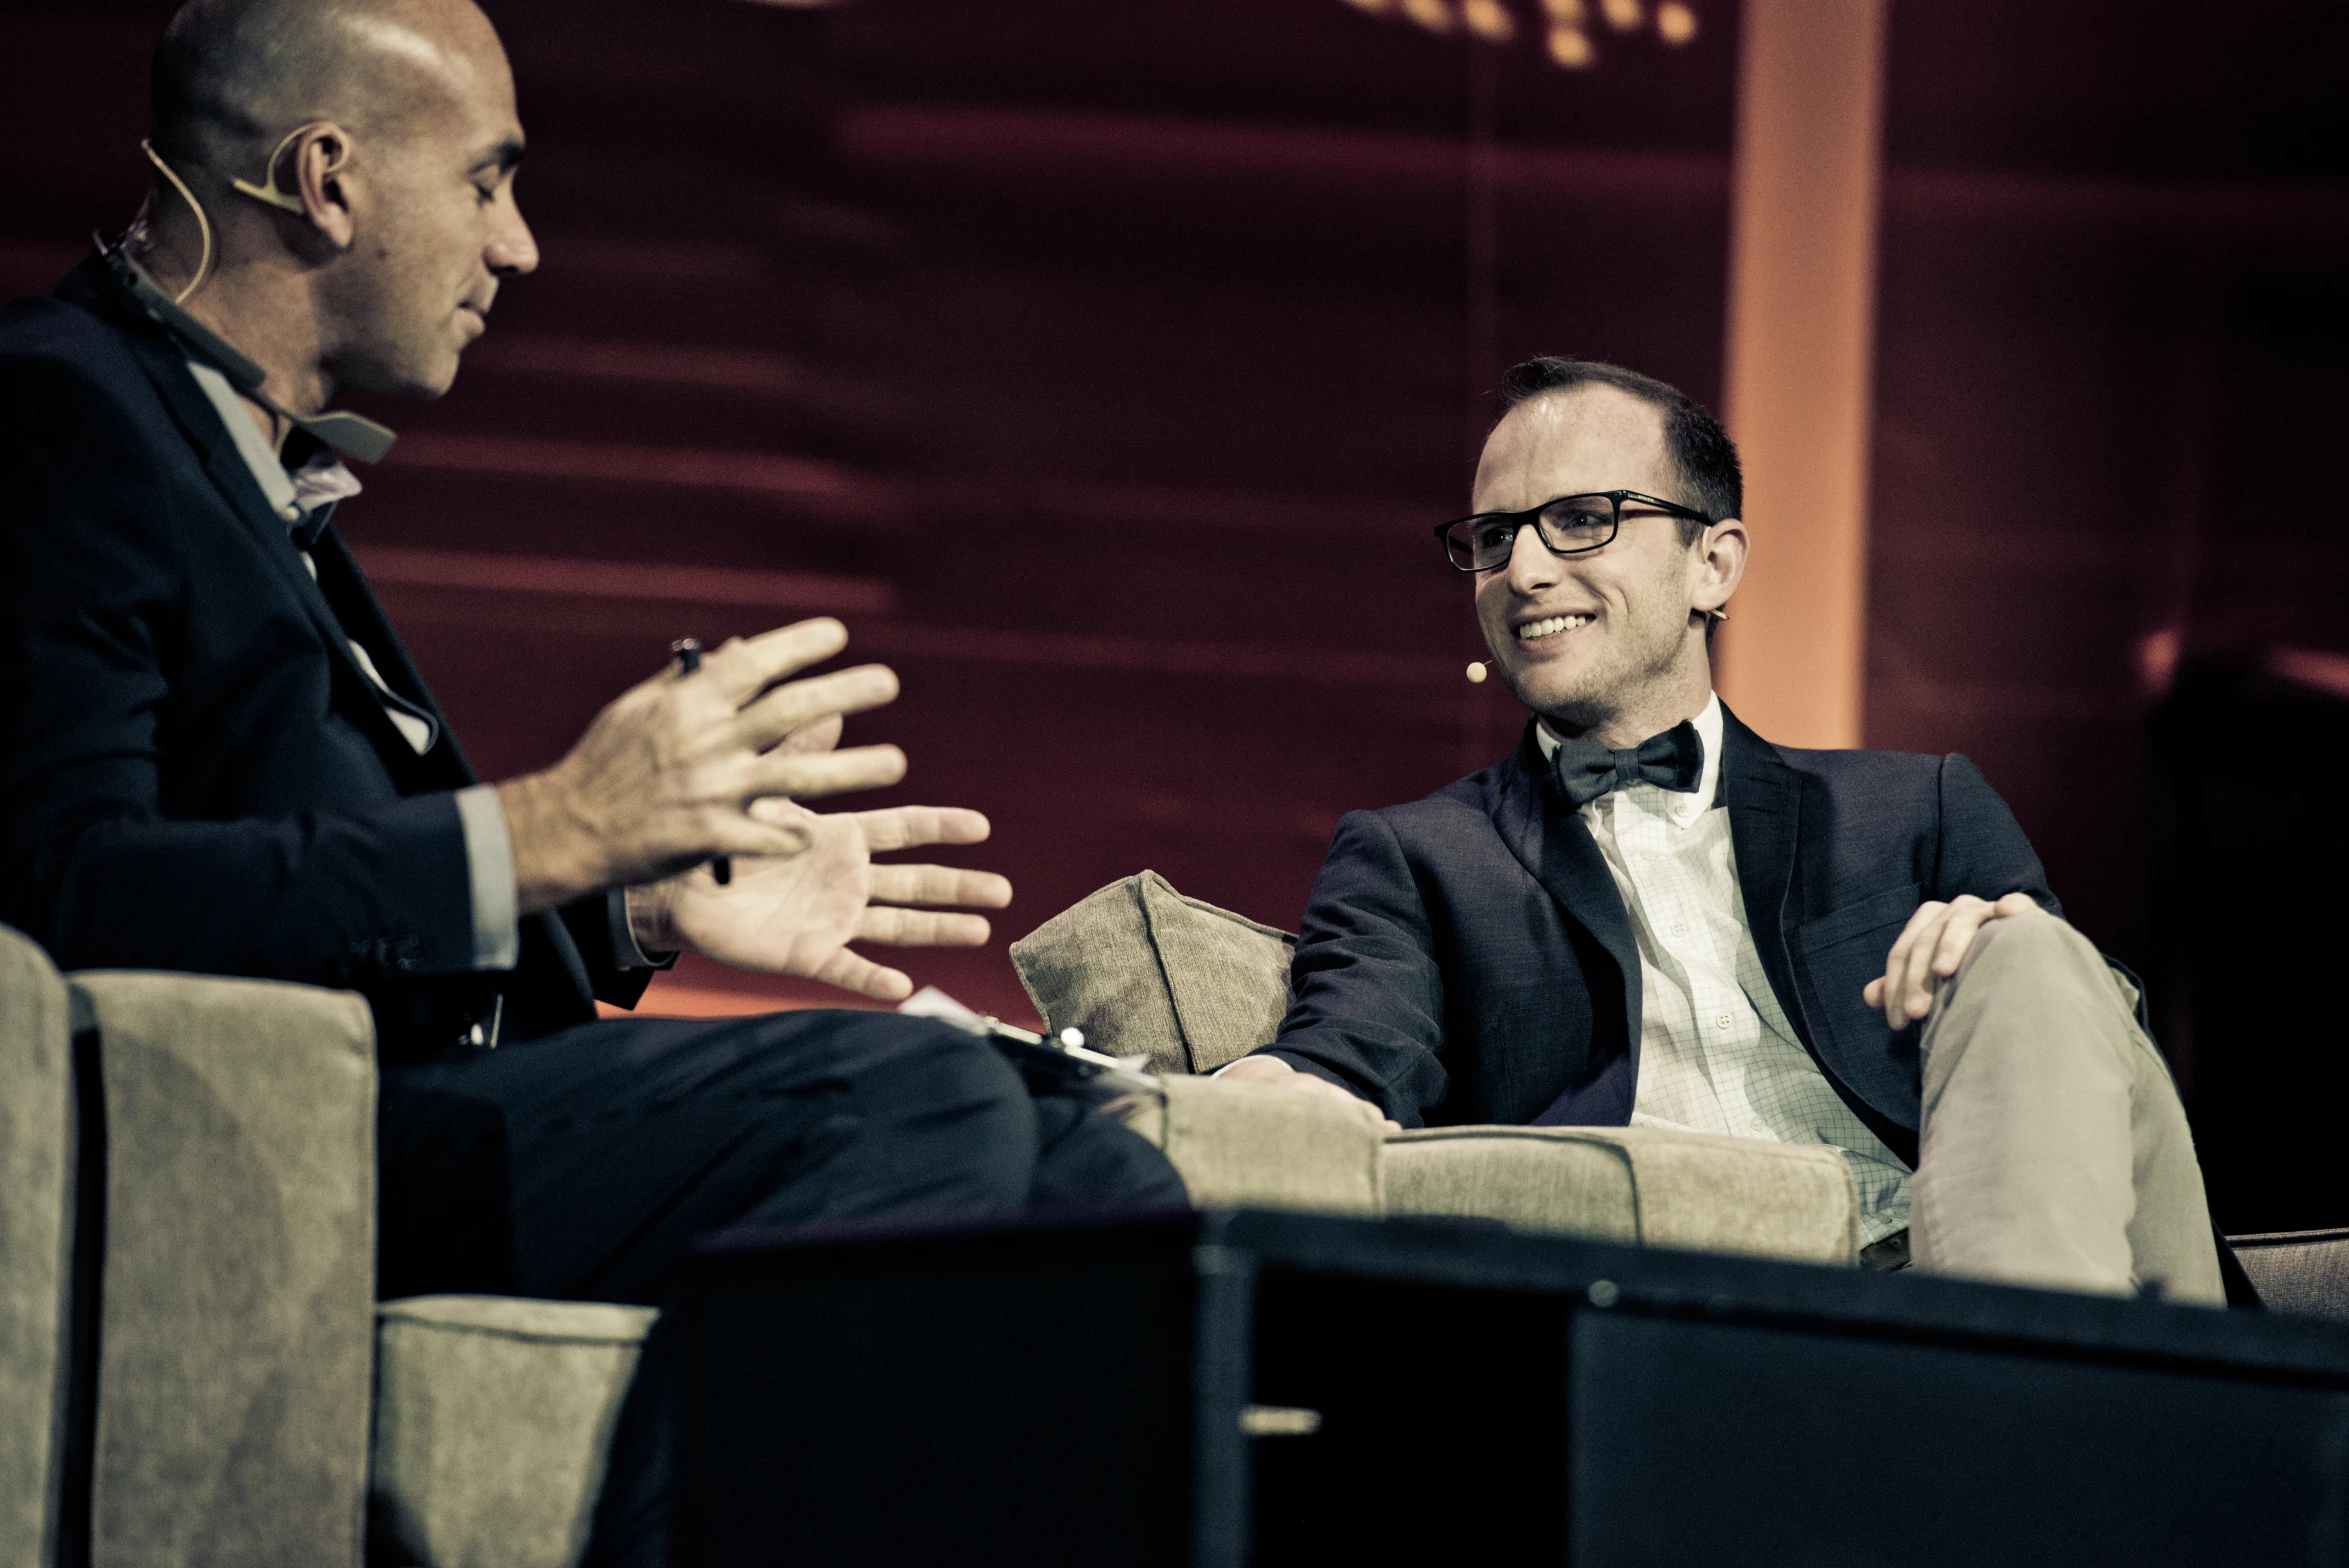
(237, 1303)
(1653, 1186)
(1144, 971)
(1244, 1144)
(37, 1157)
(2304, 1271)
(493, 1424)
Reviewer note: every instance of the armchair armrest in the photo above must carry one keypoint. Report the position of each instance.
(38, 1159)
(1243, 1144)
(237, 1319)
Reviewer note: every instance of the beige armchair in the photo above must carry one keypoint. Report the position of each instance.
(1144, 971)
(193, 1366)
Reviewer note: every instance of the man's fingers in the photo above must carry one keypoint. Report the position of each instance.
(912, 827)
(1916, 974)
(866, 978)
(762, 830)
(822, 735)
(1927, 913)
(1891, 989)
(1929, 950)
(1967, 916)
(920, 928)
(796, 705)
(806, 774)
(745, 666)
(940, 885)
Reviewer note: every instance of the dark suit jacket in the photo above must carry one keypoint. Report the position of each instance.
(194, 774)
(1467, 958)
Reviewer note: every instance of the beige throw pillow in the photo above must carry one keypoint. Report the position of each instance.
(1144, 971)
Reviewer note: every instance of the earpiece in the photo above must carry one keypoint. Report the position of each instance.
(267, 191)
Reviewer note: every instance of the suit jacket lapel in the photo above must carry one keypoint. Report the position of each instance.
(1556, 846)
(1765, 821)
(163, 363)
(354, 606)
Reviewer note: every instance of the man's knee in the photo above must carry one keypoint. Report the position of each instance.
(865, 1057)
(923, 1066)
(2031, 944)
(897, 1117)
(2034, 983)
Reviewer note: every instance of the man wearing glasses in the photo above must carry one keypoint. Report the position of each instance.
(1648, 914)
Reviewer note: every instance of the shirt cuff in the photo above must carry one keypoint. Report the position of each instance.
(627, 953)
(489, 858)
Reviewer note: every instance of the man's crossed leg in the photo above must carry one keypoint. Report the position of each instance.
(2054, 1150)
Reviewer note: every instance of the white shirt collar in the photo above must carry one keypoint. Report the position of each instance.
(1708, 728)
(291, 496)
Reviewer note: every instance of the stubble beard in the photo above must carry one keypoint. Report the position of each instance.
(1594, 696)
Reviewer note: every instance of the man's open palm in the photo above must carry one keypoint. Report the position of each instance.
(795, 914)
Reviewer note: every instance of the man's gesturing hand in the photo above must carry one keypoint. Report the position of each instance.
(664, 777)
(1929, 950)
(796, 913)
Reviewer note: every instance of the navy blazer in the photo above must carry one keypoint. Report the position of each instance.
(194, 772)
(1467, 958)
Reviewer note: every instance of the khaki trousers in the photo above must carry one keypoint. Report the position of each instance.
(2054, 1151)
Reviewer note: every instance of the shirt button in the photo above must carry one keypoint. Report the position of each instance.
(1680, 928)
(1721, 1020)
(290, 512)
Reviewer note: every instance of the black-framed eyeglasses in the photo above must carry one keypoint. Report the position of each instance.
(1569, 525)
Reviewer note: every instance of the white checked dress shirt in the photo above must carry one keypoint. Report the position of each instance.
(1716, 1053)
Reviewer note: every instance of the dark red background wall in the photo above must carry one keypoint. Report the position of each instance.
(1103, 364)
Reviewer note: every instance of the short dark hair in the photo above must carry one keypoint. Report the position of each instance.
(1700, 448)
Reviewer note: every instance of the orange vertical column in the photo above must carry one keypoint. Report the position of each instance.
(1802, 315)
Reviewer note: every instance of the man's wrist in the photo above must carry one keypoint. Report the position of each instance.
(554, 857)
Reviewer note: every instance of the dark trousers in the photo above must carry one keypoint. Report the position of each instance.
(582, 1165)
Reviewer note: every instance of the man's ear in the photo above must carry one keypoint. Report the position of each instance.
(318, 168)
(1721, 557)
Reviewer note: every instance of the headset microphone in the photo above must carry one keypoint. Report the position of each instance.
(353, 435)
(1477, 673)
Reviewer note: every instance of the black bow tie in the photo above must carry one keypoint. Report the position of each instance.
(1584, 770)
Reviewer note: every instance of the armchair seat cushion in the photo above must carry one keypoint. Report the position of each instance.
(1654, 1186)
(493, 1423)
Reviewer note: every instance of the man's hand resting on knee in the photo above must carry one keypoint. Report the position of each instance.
(1929, 950)
(1280, 1075)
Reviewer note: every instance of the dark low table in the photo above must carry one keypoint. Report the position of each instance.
(1235, 1387)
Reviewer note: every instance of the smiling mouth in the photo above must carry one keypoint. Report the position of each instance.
(1551, 626)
